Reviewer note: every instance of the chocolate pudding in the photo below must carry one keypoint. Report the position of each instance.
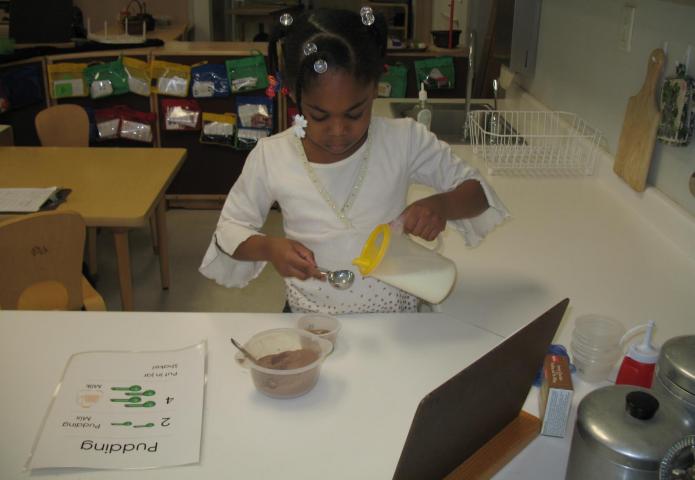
(288, 359)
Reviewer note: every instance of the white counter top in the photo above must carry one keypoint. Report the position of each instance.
(591, 238)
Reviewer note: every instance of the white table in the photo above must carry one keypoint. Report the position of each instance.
(352, 425)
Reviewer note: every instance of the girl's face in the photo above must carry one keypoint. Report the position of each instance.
(338, 110)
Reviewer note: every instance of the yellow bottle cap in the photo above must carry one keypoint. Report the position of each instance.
(374, 249)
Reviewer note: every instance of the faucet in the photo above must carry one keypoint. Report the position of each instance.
(469, 83)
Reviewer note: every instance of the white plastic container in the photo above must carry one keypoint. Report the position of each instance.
(320, 324)
(391, 256)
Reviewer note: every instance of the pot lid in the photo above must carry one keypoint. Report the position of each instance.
(629, 425)
(677, 362)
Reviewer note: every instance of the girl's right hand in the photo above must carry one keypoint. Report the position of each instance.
(292, 259)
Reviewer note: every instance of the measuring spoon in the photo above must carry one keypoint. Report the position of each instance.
(146, 404)
(124, 424)
(340, 279)
(146, 393)
(132, 388)
(127, 400)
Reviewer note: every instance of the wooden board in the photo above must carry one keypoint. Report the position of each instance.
(638, 135)
(501, 448)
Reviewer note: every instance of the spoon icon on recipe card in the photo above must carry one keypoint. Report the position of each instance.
(340, 279)
(146, 393)
(147, 404)
(132, 388)
(127, 400)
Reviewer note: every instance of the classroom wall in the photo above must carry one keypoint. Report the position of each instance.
(581, 68)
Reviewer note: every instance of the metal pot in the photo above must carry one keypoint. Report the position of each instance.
(622, 432)
(675, 371)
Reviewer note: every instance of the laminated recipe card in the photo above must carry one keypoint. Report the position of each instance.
(118, 410)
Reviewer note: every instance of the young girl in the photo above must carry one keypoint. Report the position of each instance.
(338, 172)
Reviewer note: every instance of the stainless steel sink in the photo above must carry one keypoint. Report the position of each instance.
(448, 119)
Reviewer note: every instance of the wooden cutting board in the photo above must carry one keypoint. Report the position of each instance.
(638, 135)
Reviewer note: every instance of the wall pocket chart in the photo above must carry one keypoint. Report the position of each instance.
(118, 410)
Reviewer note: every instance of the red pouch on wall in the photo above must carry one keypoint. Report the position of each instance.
(181, 114)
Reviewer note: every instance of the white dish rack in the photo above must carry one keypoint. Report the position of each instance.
(534, 142)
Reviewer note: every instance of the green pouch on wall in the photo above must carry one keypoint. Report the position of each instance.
(393, 82)
(106, 79)
(437, 73)
(248, 73)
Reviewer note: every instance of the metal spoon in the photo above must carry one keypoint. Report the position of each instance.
(244, 351)
(340, 279)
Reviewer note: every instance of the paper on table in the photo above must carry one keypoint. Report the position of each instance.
(118, 410)
(24, 199)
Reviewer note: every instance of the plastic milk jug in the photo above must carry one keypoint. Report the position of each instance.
(391, 256)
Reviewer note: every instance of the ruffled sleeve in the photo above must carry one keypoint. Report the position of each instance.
(433, 163)
(243, 214)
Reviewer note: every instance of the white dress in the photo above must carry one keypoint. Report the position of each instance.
(398, 152)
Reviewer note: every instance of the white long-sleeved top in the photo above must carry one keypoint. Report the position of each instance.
(399, 152)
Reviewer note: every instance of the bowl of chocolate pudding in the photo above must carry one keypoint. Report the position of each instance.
(288, 361)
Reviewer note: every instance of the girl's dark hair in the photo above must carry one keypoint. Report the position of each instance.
(341, 39)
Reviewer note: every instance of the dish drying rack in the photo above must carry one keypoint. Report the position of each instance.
(534, 142)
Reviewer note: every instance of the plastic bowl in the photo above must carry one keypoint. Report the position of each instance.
(320, 324)
(598, 331)
(285, 382)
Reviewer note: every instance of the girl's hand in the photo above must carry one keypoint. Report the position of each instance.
(424, 218)
(292, 259)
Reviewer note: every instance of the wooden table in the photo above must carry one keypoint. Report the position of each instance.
(114, 188)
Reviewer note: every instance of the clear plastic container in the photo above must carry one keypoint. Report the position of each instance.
(285, 382)
(596, 346)
(320, 324)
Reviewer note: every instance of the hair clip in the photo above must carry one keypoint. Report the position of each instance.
(320, 66)
(309, 48)
(367, 15)
(298, 126)
(286, 19)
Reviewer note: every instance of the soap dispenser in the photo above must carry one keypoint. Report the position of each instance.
(422, 111)
(640, 361)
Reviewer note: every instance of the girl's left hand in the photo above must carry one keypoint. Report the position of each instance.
(423, 218)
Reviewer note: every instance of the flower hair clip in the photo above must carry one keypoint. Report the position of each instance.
(298, 126)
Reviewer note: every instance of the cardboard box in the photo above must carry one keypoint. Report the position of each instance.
(556, 395)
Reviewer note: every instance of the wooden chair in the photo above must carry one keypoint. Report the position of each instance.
(64, 125)
(51, 128)
(41, 263)
(67, 125)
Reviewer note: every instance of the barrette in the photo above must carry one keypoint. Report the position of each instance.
(320, 66)
(367, 15)
(286, 19)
